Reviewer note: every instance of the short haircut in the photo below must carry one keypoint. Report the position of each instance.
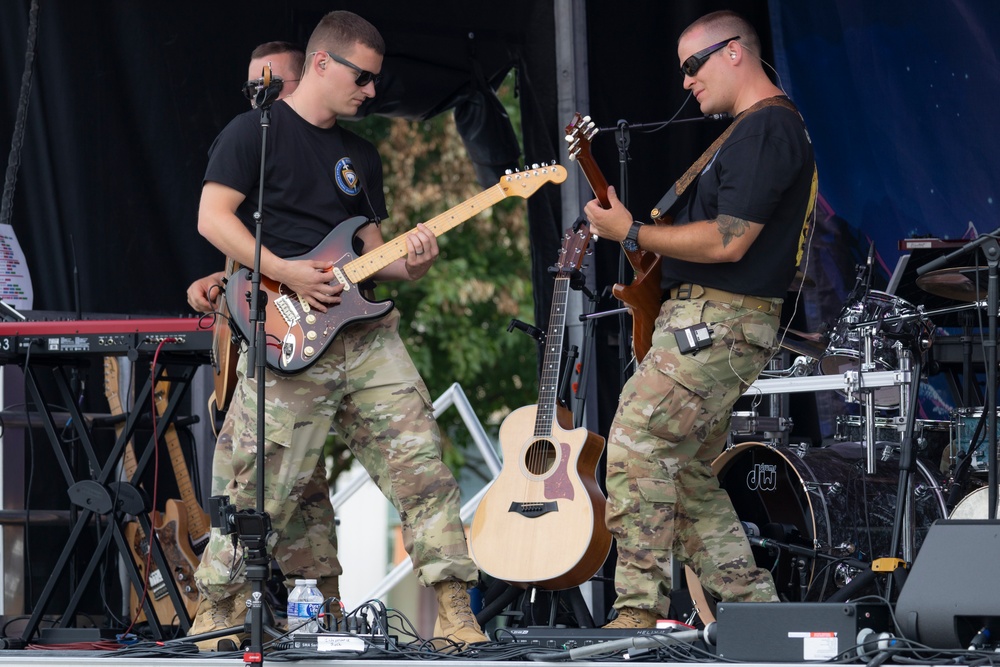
(272, 48)
(730, 23)
(340, 30)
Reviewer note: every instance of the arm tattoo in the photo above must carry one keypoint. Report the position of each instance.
(731, 227)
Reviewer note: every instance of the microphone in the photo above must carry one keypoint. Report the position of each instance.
(718, 116)
(263, 91)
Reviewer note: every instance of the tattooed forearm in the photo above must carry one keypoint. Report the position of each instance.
(731, 227)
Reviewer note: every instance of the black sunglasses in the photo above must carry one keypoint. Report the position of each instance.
(364, 76)
(691, 66)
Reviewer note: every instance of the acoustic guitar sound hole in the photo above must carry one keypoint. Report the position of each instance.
(540, 457)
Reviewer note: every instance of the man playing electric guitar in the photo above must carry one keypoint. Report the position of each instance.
(727, 260)
(364, 384)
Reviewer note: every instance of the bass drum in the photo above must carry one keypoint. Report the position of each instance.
(974, 506)
(820, 500)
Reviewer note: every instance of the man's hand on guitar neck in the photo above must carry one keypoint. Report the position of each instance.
(610, 223)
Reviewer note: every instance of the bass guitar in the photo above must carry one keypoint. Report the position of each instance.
(644, 295)
(225, 350)
(541, 522)
(303, 334)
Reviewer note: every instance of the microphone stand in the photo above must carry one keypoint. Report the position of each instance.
(253, 526)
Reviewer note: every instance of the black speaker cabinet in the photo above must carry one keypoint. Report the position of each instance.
(953, 590)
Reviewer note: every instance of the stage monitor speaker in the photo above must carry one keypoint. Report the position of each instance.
(951, 593)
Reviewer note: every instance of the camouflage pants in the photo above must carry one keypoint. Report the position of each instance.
(366, 388)
(672, 422)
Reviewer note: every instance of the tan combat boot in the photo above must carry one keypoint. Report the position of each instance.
(633, 617)
(218, 610)
(455, 620)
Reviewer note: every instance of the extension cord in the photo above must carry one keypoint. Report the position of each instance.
(324, 642)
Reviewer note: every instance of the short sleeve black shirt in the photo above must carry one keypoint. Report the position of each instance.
(314, 178)
(762, 173)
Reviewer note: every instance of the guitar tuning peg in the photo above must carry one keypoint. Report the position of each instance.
(586, 119)
(534, 165)
(507, 172)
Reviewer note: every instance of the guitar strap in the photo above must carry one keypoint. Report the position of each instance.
(670, 199)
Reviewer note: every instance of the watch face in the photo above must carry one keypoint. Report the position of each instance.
(630, 245)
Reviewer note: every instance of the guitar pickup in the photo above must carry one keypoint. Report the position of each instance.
(533, 510)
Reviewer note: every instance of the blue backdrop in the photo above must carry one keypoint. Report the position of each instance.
(901, 100)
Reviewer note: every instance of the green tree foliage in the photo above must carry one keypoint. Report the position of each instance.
(454, 319)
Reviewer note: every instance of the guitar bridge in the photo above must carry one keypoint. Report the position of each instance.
(286, 308)
(533, 510)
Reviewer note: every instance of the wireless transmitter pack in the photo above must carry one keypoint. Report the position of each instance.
(693, 338)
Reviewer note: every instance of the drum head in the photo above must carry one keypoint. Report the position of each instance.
(974, 506)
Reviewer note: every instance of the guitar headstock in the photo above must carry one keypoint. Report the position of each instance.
(579, 134)
(574, 247)
(525, 183)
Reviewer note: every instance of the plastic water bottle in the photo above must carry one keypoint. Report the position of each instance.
(304, 603)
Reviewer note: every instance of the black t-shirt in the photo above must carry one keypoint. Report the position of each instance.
(762, 173)
(315, 178)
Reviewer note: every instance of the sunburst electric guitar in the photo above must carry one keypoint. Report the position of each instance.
(301, 334)
(541, 522)
(643, 295)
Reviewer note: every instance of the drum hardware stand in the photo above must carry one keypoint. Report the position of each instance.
(868, 396)
(991, 250)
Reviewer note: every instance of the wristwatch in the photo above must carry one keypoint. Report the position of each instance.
(631, 242)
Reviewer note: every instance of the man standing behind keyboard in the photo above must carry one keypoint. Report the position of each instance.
(728, 259)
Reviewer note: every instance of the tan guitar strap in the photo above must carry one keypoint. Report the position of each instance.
(669, 199)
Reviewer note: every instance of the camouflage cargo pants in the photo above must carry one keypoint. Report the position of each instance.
(367, 389)
(672, 422)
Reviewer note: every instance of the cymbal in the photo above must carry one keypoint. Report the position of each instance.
(807, 345)
(800, 282)
(958, 283)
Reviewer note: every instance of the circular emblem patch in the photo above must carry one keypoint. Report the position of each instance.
(346, 177)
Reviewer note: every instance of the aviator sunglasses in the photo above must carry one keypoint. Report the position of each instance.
(364, 76)
(691, 66)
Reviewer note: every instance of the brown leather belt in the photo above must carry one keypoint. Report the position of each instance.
(686, 291)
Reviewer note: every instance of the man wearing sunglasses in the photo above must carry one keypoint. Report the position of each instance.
(364, 386)
(738, 219)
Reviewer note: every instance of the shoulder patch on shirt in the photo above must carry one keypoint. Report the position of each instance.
(346, 177)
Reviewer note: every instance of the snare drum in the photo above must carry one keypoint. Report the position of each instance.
(965, 421)
(846, 346)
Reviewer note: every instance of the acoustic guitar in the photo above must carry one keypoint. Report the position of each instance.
(171, 528)
(297, 335)
(643, 295)
(541, 522)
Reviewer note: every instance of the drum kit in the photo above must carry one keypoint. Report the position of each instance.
(821, 518)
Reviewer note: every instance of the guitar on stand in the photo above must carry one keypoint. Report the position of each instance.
(541, 523)
(644, 295)
(171, 528)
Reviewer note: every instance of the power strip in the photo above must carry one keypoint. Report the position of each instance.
(328, 642)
